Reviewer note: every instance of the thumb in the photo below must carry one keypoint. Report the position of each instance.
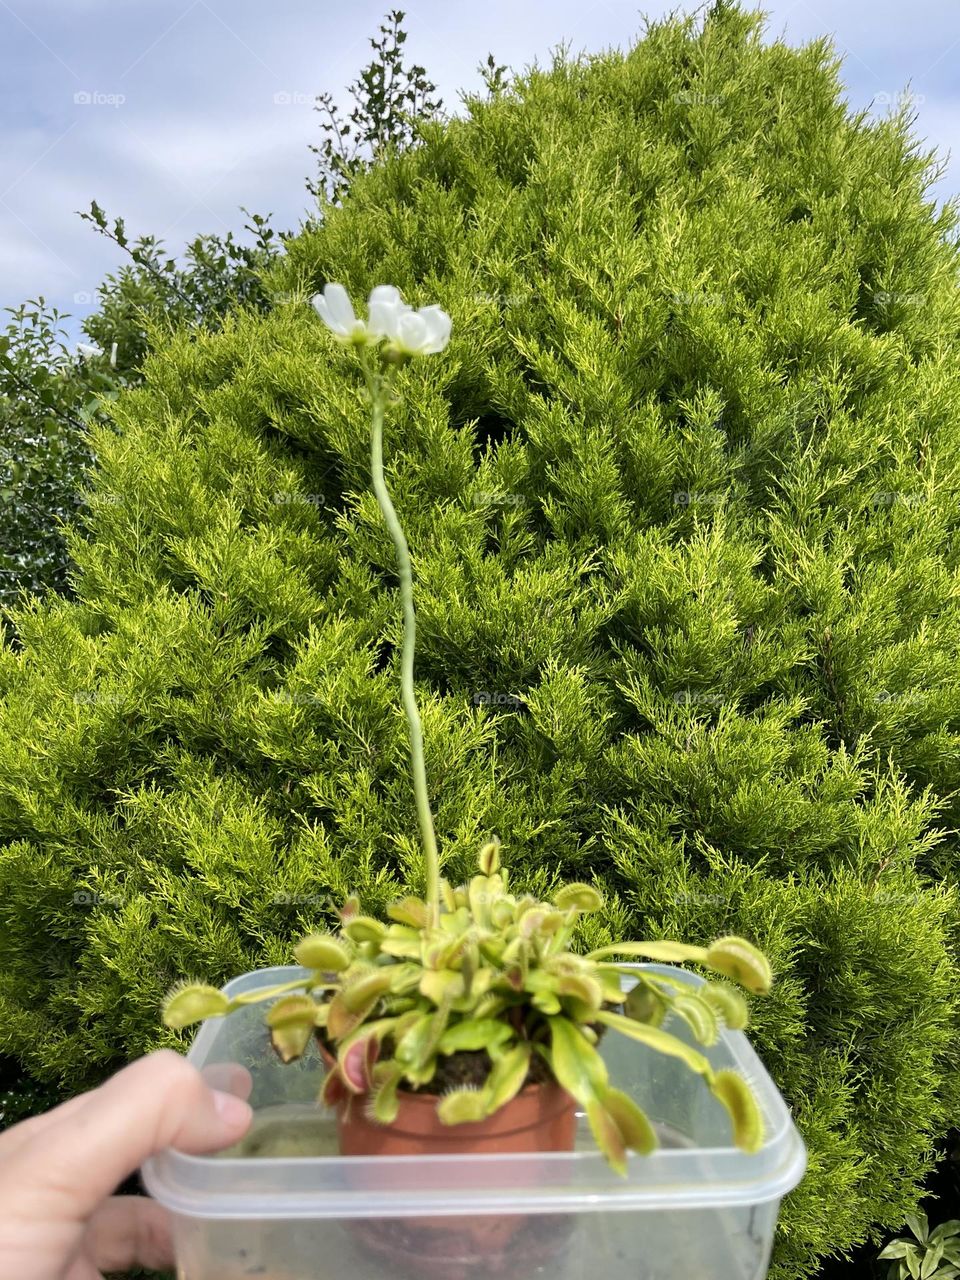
(76, 1161)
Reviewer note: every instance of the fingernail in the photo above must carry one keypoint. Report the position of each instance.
(232, 1110)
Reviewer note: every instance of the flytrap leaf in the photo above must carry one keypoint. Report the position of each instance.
(292, 1022)
(743, 962)
(736, 1095)
(194, 1003)
(321, 951)
(462, 1106)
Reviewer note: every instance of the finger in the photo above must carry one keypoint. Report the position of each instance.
(129, 1231)
(159, 1101)
(226, 1077)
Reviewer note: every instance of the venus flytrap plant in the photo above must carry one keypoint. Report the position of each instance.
(477, 967)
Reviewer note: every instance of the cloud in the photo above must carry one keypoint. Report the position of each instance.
(196, 107)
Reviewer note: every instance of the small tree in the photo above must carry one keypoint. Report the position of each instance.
(48, 396)
(389, 100)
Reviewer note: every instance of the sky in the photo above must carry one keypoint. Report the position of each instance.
(175, 113)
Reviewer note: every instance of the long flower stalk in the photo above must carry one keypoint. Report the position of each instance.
(379, 388)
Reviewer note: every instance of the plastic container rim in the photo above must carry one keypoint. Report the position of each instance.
(171, 1176)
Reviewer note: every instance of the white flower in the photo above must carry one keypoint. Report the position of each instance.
(89, 350)
(385, 307)
(409, 332)
(420, 333)
(336, 311)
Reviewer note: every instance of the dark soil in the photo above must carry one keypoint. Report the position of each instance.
(459, 1070)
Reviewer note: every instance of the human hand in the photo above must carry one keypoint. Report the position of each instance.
(58, 1217)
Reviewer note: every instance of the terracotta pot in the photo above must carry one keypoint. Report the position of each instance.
(542, 1117)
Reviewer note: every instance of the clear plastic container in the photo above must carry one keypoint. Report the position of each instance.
(697, 1209)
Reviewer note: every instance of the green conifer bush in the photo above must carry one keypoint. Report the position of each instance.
(683, 501)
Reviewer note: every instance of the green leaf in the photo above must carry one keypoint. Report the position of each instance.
(292, 1021)
(661, 1041)
(403, 942)
(638, 1133)
(462, 1106)
(323, 952)
(420, 1043)
(364, 929)
(919, 1225)
(931, 1260)
(645, 1004)
(475, 1033)
(895, 1249)
(576, 1065)
(579, 897)
(489, 857)
(506, 1079)
(698, 1015)
(342, 1021)
(410, 911)
(483, 891)
(607, 1135)
(580, 987)
(441, 986)
(260, 994)
(384, 1102)
(736, 1095)
(743, 962)
(665, 952)
(727, 1003)
(188, 1004)
(368, 989)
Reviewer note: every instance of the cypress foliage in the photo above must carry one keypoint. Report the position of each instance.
(683, 502)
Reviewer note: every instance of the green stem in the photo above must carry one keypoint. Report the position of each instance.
(379, 389)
